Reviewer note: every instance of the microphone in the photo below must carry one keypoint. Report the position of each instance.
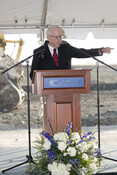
(42, 54)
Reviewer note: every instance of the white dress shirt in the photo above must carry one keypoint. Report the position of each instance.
(51, 50)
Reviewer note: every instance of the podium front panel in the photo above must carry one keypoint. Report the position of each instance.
(59, 81)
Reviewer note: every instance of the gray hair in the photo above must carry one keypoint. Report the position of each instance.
(49, 32)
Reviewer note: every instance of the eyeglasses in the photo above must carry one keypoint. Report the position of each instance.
(57, 37)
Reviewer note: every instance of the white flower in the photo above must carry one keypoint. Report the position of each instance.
(93, 168)
(64, 154)
(71, 151)
(95, 145)
(62, 146)
(47, 144)
(92, 145)
(85, 156)
(95, 159)
(52, 167)
(58, 168)
(62, 136)
(69, 166)
(89, 145)
(75, 136)
(84, 171)
(83, 147)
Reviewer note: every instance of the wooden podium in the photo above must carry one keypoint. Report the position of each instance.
(62, 89)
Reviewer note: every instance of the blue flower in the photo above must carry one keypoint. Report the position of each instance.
(84, 136)
(75, 161)
(89, 133)
(69, 126)
(98, 152)
(51, 154)
(47, 135)
(90, 138)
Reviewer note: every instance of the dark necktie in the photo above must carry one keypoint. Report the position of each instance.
(55, 57)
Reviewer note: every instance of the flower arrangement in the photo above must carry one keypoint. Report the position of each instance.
(66, 153)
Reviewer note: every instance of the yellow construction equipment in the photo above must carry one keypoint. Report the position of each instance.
(3, 42)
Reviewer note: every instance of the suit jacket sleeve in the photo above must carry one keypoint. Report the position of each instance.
(81, 53)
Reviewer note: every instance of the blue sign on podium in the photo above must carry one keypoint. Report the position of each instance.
(64, 82)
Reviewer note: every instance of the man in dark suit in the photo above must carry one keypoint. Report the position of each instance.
(43, 56)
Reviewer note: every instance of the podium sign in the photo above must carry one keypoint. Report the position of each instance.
(62, 89)
(64, 82)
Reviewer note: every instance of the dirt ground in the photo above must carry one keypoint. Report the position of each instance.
(18, 118)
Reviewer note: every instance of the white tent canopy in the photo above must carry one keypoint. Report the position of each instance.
(77, 17)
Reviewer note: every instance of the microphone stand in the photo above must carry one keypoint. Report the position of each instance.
(98, 104)
(29, 157)
(98, 110)
(98, 100)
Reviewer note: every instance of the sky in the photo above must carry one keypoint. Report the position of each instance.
(31, 42)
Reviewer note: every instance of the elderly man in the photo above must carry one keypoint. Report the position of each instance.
(57, 54)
